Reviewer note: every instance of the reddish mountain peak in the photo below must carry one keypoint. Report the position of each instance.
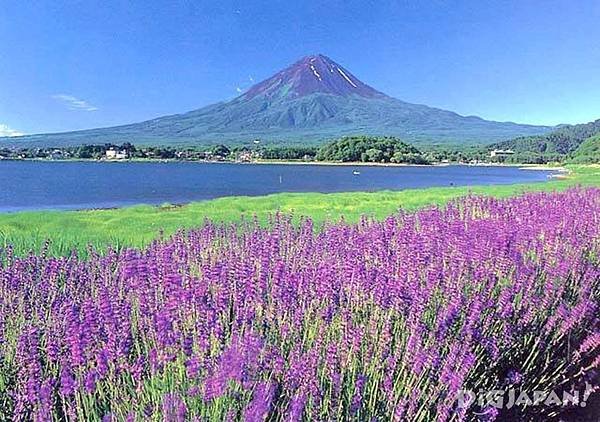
(309, 75)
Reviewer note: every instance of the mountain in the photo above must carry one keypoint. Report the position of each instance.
(564, 140)
(313, 100)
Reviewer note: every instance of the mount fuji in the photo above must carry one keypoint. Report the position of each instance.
(311, 101)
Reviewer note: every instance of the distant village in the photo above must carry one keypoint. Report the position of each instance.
(127, 151)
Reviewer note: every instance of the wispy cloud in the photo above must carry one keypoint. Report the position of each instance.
(74, 103)
(7, 131)
(243, 86)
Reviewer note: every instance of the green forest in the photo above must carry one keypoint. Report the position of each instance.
(368, 149)
(561, 145)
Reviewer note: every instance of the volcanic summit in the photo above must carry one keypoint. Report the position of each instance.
(313, 100)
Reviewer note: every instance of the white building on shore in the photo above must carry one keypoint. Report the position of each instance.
(501, 153)
(113, 154)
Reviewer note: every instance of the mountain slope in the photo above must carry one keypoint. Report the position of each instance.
(312, 100)
(563, 140)
(588, 152)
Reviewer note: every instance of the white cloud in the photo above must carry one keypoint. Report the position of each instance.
(74, 103)
(7, 131)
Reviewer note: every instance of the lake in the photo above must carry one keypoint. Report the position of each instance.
(36, 185)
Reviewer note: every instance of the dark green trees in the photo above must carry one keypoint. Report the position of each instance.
(369, 149)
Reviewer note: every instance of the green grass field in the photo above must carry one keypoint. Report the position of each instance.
(138, 225)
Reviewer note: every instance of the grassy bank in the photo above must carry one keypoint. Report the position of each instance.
(136, 226)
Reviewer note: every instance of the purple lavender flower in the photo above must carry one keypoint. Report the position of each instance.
(259, 407)
(290, 321)
(514, 377)
(173, 408)
(68, 385)
(89, 382)
(357, 398)
(296, 409)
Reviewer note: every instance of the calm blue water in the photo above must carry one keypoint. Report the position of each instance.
(32, 185)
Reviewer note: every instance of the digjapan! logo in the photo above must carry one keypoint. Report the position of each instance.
(506, 399)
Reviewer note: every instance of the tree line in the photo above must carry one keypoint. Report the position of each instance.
(365, 149)
(353, 148)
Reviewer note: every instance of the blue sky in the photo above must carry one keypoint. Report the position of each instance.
(68, 65)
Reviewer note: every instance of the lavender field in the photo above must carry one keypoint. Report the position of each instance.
(380, 320)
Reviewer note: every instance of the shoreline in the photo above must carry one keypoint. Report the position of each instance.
(170, 206)
(521, 166)
(543, 167)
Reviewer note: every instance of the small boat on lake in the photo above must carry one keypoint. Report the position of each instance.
(356, 172)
